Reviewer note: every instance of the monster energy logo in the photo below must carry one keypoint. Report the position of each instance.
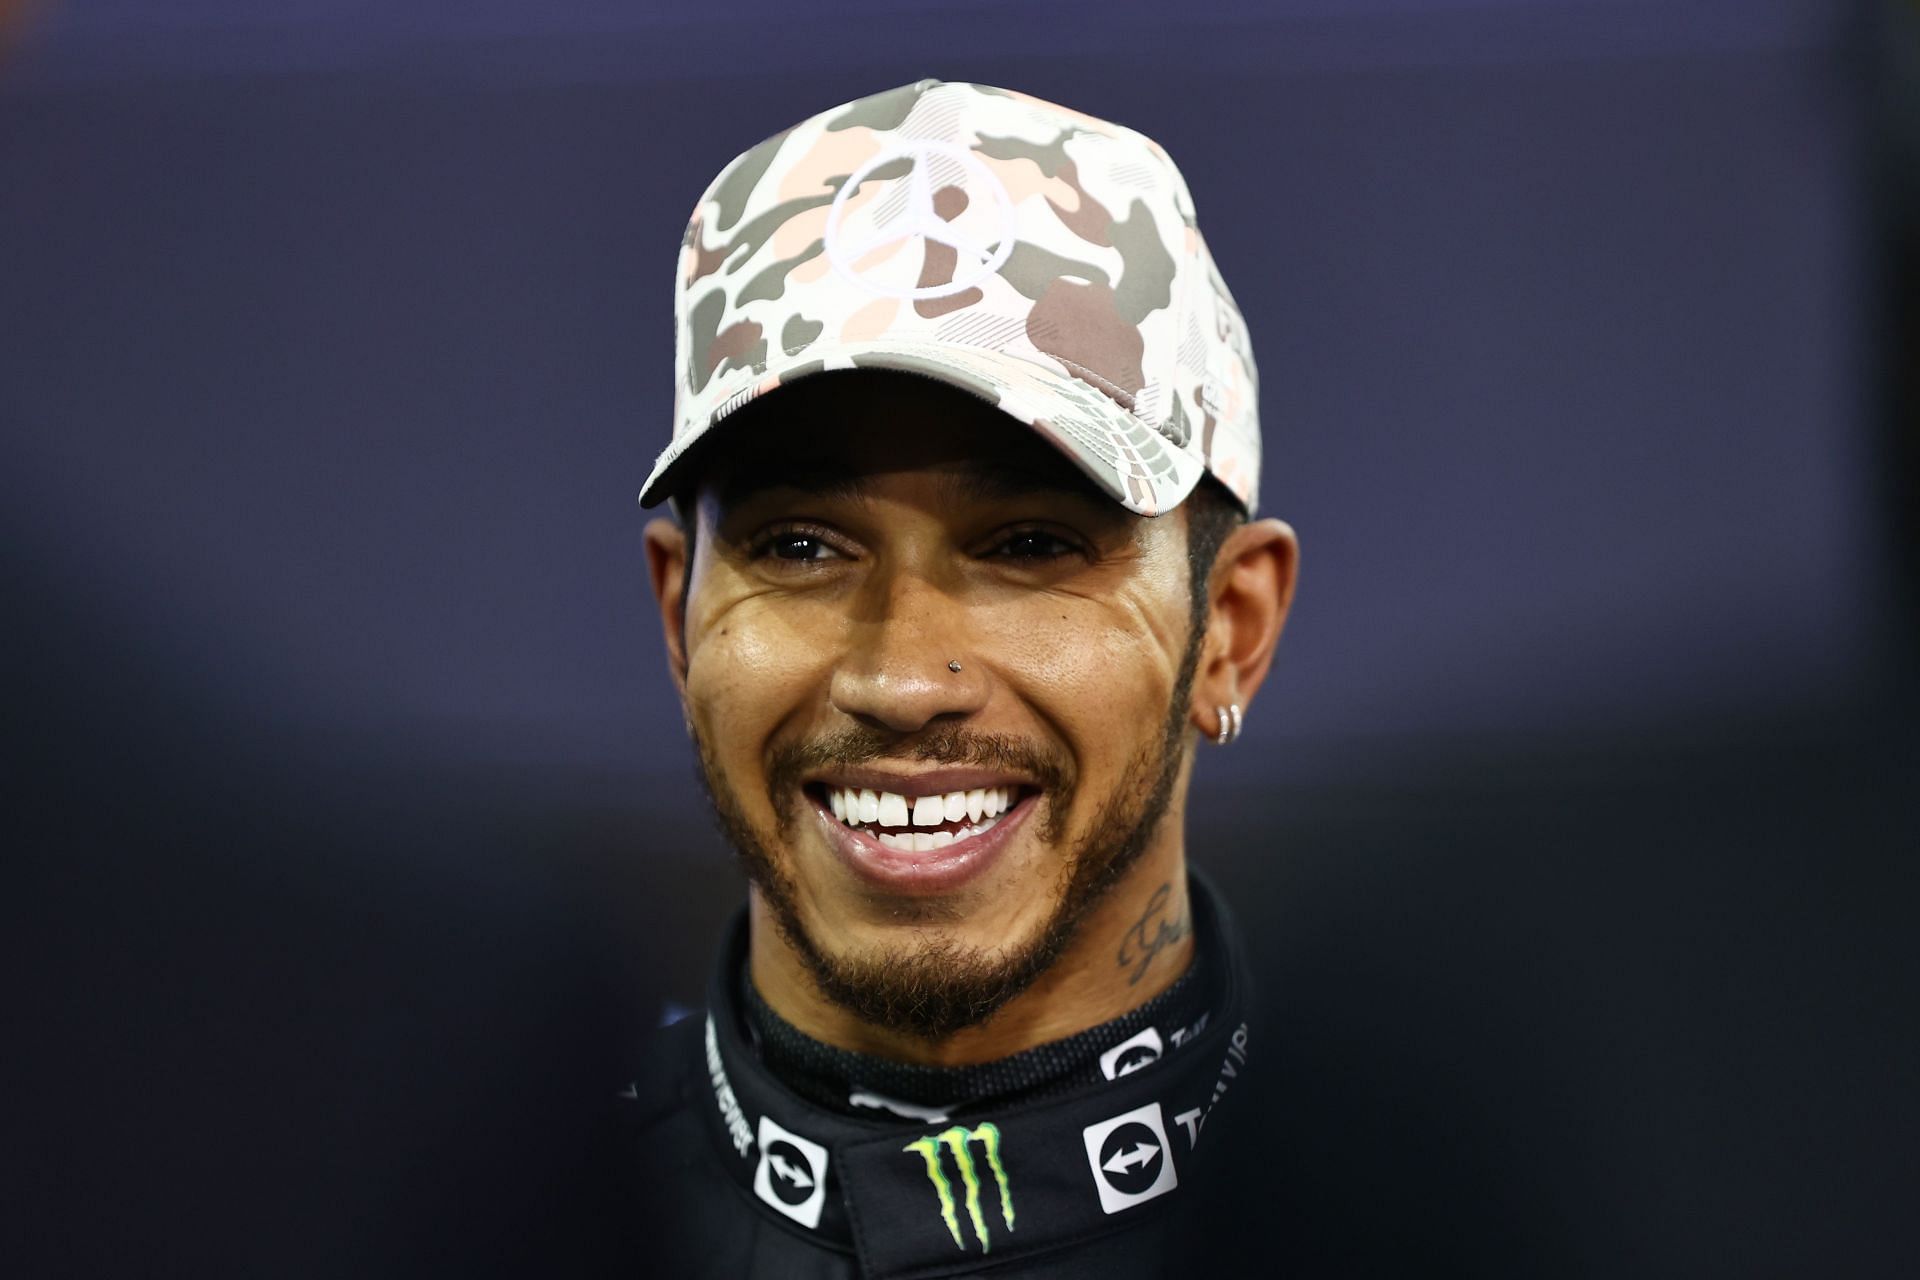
(958, 1140)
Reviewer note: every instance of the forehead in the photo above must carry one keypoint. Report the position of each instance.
(835, 431)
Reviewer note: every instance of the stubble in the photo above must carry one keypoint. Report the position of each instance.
(936, 986)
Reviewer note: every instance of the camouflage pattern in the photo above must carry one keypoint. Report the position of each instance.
(1042, 259)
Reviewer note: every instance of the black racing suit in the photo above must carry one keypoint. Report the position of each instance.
(736, 1174)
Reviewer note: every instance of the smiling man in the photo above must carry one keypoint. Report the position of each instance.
(965, 456)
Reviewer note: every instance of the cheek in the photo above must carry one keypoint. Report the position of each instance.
(750, 665)
(1101, 670)
(1113, 651)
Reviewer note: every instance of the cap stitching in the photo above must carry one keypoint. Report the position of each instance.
(1104, 384)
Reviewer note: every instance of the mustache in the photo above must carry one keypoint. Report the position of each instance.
(947, 745)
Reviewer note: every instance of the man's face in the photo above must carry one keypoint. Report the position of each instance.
(927, 839)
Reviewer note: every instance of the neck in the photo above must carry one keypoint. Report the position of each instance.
(1132, 945)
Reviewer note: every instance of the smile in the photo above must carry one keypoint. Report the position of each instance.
(925, 835)
(920, 824)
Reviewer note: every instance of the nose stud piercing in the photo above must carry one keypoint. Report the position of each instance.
(1228, 718)
(954, 666)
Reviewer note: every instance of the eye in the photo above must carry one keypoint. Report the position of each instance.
(1034, 545)
(795, 546)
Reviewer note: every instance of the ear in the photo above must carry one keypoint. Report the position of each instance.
(1249, 593)
(666, 546)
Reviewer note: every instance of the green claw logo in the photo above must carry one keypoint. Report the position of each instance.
(958, 1140)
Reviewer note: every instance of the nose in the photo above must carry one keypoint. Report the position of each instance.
(897, 671)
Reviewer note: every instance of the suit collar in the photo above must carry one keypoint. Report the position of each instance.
(914, 1198)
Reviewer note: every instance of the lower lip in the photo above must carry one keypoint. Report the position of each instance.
(934, 871)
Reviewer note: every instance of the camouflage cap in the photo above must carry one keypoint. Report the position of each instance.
(1042, 259)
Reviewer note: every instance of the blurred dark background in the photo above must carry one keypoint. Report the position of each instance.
(356, 841)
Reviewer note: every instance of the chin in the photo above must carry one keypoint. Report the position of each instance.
(929, 982)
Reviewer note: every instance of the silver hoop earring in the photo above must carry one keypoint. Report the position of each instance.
(1228, 720)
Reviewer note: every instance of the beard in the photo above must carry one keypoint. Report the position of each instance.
(937, 986)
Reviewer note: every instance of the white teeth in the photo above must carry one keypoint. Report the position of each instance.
(860, 806)
(928, 841)
(893, 809)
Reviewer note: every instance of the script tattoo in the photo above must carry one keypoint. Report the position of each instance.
(1151, 934)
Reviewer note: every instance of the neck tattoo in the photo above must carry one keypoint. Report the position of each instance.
(1151, 934)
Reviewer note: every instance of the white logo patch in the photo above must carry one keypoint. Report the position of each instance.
(905, 1110)
(980, 241)
(1131, 1160)
(1132, 1054)
(723, 1095)
(792, 1176)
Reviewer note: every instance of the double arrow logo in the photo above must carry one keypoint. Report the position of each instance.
(790, 1172)
(1136, 1156)
(1129, 1158)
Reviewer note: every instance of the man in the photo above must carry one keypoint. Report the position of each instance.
(965, 452)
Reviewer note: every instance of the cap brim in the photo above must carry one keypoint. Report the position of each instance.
(1125, 457)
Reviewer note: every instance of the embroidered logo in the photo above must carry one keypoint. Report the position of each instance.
(1130, 1158)
(1132, 1054)
(905, 1110)
(1194, 1117)
(723, 1096)
(942, 180)
(959, 1142)
(792, 1176)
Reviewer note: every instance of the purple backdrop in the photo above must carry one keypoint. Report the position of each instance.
(1571, 829)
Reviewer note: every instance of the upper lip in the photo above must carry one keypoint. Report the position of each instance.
(932, 782)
